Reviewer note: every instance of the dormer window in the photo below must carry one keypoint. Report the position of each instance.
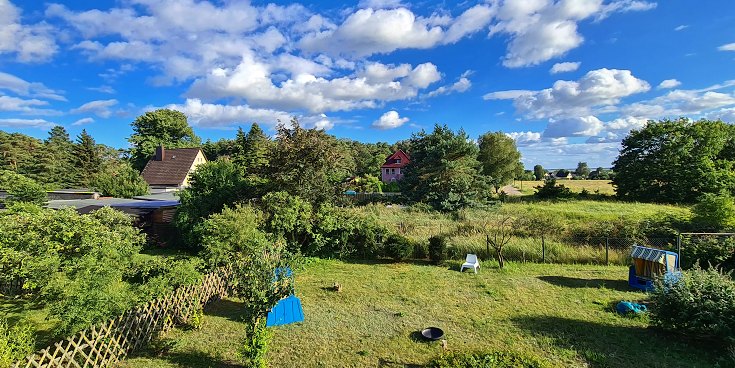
(398, 160)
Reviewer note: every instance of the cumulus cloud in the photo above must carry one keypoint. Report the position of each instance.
(727, 47)
(583, 126)
(26, 123)
(669, 83)
(525, 138)
(100, 108)
(380, 4)
(542, 30)
(222, 116)
(462, 85)
(695, 102)
(390, 120)
(601, 88)
(28, 42)
(565, 67)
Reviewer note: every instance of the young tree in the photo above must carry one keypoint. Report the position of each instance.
(309, 163)
(87, 157)
(21, 189)
(676, 161)
(55, 163)
(498, 232)
(539, 172)
(444, 171)
(499, 157)
(582, 170)
(160, 127)
(253, 151)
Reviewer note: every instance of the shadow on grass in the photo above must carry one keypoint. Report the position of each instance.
(197, 359)
(226, 308)
(604, 345)
(387, 261)
(576, 283)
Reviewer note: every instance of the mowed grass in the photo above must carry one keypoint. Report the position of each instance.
(576, 186)
(15, 309)
(560, 313)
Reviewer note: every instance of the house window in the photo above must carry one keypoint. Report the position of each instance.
(398, 160)
(392, 171)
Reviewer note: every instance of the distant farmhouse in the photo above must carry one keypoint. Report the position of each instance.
(170, 169)
(392, 169)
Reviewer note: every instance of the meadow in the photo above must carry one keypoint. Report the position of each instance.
(576, 186)
(560, 313)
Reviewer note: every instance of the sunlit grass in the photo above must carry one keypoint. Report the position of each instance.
(576, 186)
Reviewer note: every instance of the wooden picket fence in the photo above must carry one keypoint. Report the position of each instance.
(110, 342)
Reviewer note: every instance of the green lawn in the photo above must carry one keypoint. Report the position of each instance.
(576, 186)
(561, 313)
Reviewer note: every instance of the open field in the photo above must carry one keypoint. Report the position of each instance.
(561, 313)
(604, 186)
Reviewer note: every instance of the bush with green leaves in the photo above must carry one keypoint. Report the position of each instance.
(289, 217)
(550, 190)
(487, 360)
(119, 179)
(701, 304)
(21, 189)
(438, 248)
(398, 247)
(16, 341)
(709, 251)
(715, 212)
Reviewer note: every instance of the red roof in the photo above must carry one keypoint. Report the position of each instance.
(397, 160)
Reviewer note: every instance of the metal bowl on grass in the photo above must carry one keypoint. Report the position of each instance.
(432, 333)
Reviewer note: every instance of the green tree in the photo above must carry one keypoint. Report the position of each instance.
(369, 157)
(19, 152)
(87, 158)
(715, 212)
(676, 161)
(160, 127)
(539, 172)
(253, 150)
(119, 179)
(55, 164)
(499, 157)
(309, 163)
(582, 170)
(224, 148)
(444, 171)
(20, 189)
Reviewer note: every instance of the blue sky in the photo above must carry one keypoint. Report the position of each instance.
(566, 79)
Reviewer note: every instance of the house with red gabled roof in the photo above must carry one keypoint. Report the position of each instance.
(392, 169)
(170, 169)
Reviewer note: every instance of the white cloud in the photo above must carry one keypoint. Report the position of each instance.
(681, 27)
(28, 42)
(669, 83)
(26, 123)
(541, 30)
(216, 115)
(103, 89)
(25, 106)
(693, 103)
(469, 22)
(525, 138)
(559, 153)
(583, 126)
(100, 108)
(726, 115)
(462, 85)
(21, 87)
(565, 67)
(83, 121)
(727, 47)
(380, 4)
(601, 89)
(389, 120)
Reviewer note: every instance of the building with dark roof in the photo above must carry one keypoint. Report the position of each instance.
(171, 168)
(392, 169)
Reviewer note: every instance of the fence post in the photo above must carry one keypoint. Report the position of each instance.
(543, 249)
(607, 251)
(678, 249)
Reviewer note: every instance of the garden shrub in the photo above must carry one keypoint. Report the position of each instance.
(16, 342)
(487, 360)
(438, 248)
(21, 189)
(709, 251)
(715, 212)
(550, 190)
(702, 303)
(420, 250)
(398, 247)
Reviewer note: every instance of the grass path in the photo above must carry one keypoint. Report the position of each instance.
(560, 313)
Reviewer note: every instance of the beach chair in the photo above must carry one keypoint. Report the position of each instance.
(471, 262)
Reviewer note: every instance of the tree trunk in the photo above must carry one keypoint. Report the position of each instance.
(487, 244)
(501, 260)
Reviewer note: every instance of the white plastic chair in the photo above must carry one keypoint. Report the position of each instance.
(470, 262)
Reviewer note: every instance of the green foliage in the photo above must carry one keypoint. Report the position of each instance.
(392, 187)
(539, 172)
(715, 212)
(21, 189)
(87, 157)
(676, 161)
(253, 151)
(55, 167)
(398, 247)
(154, 276)
(487, 360)
(212, 186)
(499, 157)
(229, 233)
(160, 127)
(369, 157)
(224, 148)
(288, 217)
(119, 179)
(702, 303)
(438, 248)
(366, 184)
(19, 153)
(255, 346)
(709, 251)
(16, 342)
(582, 170)
(444, 170)
(309, 163)
(550, 190)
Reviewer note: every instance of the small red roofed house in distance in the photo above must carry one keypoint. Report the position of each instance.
(392, 169)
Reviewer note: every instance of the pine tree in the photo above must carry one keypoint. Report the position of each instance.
(253, 150)
(87, 158)
(55, 162)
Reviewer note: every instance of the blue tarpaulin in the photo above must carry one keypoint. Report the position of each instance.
(287, 310)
